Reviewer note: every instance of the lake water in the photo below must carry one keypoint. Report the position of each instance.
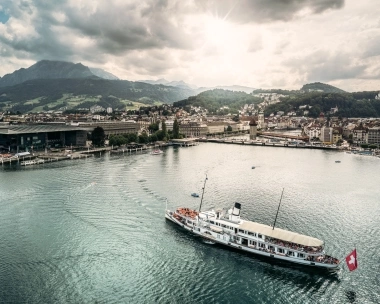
(93, 231)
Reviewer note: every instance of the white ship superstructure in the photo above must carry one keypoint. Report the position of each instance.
(227, 228)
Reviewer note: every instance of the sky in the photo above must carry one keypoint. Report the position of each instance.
(256, 43)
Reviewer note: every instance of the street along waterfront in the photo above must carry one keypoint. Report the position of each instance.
(94, 229)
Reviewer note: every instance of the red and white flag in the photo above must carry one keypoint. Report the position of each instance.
(351, 260)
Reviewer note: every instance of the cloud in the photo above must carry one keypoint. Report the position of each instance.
(327, 66)
(262, 11)
(257, 43)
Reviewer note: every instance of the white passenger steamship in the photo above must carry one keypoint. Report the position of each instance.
(227, 228)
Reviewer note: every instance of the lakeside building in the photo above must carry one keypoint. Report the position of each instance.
(326, 136)
(116, 127)
(360, 134)
(193, 129)
(374, 135)
(41, 136)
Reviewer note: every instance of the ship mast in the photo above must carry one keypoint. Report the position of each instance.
(203, 191)
(274, 224)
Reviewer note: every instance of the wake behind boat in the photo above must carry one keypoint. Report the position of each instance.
(227, 228)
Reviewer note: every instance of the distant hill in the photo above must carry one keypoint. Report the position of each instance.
(321, 87)
(219, 101)
(46, 69)
(197, 90)
(52, 93)
(235, 88)
(103, 74)
(180, 83)
(357, 104)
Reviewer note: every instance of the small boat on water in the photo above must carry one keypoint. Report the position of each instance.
(194, 194)
(226, 227)
(253, 167)
(156, 152)
(337, 161)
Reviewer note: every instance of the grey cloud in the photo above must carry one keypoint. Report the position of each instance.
(325, 66)
(116, 28)
(260, 11)
(372, 47)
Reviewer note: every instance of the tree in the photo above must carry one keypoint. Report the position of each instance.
(98, 137)
(164, 130)
(350, 139)
(143, 138)
(175, 129)
(153, 127)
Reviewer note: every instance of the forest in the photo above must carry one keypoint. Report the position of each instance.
(218, 101)
(358, 104)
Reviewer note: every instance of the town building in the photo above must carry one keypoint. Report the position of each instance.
(28, 137)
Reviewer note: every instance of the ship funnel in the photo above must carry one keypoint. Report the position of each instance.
(236, 210)
(235, 215)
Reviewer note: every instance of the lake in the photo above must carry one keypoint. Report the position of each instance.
(93, 230)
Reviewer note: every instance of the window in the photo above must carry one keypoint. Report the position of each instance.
(224, 226)
(280, 250)
(300, 255)
(260, 236)
(242, 231)
(212, 222)
(252, 233)
(291, 253)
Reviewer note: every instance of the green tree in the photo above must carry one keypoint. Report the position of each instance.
(164, 130)
(175, 129)
(350, 139)
(153, 127)
(143, 138)
(98, 137)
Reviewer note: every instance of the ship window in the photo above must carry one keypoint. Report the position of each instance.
(300, 255)
(251, 233)
(290, 253)
(224, 226)
(260, 236)
(212, 222)
(280, 250)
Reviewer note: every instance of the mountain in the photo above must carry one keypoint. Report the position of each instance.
(321, 87)
(180, 83)
(103, 74)
(219, 101)
(158, 81)
(33, 95)
(46, 69)
(184, 85)
(235, 88)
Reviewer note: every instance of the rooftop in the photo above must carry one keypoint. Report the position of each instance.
(37, 128)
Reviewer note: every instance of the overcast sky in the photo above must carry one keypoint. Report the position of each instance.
(257, 43)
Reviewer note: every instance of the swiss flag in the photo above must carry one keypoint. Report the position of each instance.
(352, 262)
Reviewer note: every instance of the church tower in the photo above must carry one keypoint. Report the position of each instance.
(261, 120)
(252, 129)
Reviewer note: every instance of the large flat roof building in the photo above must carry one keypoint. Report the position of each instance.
(41, 136)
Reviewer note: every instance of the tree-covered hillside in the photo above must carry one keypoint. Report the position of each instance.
(318, 86)
(44, 92)
(359, 104)
(218, 101)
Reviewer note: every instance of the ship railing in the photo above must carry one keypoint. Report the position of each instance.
(325, 259)
(296, 247)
